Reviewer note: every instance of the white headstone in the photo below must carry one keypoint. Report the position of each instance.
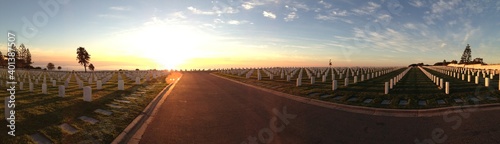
(486, 82)
(346, 81)
(121, 85)
(99, 84)
(137, 80)
(54, 83)
(31, 87)
(355, 79)
(44, 88)
(441, 83)
(477, 79)
(62, 91)
(323, 79)
(386, 88)
(80, 84)
(66, 83)
(87, 94)
(299, 82)
(21, 86)
(313, 80)
(447, 89)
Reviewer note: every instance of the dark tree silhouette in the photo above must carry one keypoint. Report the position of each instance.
(27, 59)
(51, 66)
(59, 67)
(3, 62)
(83, 57)
(91, 67)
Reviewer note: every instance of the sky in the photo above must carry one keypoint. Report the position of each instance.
(173, 34)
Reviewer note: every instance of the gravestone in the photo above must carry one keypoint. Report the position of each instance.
(334, 85)
(62, 91)
(21, 86)
(121, 85)
(386, 88)
(99, 84)
(486, 82)
(447, 89)
(54, 83)
(31, 87)
(313, 80)
(299, 81)
(137, 80)
(44, 88)
(87, 94)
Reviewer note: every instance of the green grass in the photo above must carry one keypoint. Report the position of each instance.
(414, 86)
(43, 113)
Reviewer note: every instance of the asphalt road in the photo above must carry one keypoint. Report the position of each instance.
(206, 109)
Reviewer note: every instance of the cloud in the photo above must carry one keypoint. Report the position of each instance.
(269, 14)
(215, 10)
(334, 14)
(443, 45)
(291, 16)
(416, 3)
(368, 9)
(252, 3)
(178, 15)
(325, 4)
(197, 11)
(236, 22)
(119, 8)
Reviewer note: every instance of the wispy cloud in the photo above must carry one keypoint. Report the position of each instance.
(416, 3)
(291, 16)
(197, 11)
(325, 4)
(368, 9)
(269, 14)
(119, 8)
(238, 22)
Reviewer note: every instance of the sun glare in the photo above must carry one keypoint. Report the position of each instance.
(168, 45)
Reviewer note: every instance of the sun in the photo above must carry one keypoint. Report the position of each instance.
(168, 45)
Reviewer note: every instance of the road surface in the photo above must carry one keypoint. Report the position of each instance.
(203, 108)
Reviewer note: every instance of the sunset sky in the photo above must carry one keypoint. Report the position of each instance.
(163, 34)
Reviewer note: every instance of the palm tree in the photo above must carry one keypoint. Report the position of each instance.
(83, 57)
(91, 67)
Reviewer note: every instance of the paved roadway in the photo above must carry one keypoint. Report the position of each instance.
(203, 108)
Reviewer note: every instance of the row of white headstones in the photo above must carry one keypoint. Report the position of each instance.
(343, 73)
(393, 81)
(100, 78)
(437, 80)
(462, 73)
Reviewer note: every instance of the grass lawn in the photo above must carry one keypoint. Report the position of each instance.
(414, 91)
(43, 113)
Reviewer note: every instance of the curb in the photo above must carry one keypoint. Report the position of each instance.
(134, 131)
(377, 111)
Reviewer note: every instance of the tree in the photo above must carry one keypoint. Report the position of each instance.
(59, 68)
(83, 57)
(91, 67)
(22, 52)
(27, 59)
(50, 66)
(3, 62)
